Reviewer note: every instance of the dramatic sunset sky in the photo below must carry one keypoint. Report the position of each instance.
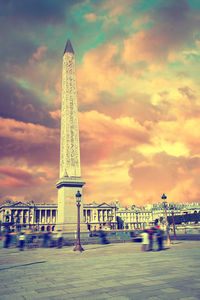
(138, 80)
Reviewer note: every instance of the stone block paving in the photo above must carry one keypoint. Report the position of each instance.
(113, 271)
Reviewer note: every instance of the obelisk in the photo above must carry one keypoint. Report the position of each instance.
(70, 181)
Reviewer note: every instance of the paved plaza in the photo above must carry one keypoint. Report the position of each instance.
(113, 271)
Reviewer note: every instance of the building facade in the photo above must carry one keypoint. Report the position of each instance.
(100, 216)
(43, 217)
(30, 215)
(133, 217)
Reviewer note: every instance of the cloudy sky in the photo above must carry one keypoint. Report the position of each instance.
(138, 80)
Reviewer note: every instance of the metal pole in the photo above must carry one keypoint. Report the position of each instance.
(78, 223)
(166, 222)
(174, 229)
(78, 241)
(164, 197)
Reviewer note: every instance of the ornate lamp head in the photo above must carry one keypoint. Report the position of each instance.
(78, 197)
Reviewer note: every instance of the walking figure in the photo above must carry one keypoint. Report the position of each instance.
(160, 236)
(21, 241)
(46, 239)
(60, 239)
(145, 240)
(7, 240)
(103, 237)
(151, 237)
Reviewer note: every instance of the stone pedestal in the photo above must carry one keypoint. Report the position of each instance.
(67, 208)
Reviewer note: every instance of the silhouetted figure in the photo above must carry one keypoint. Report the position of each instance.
(7, 240)
(159, 236)
(94, 232)
(103, 237)
(46, 239)
(21, 241)
(60, 239)
(29, 240)
(145, 240)
(151, 232)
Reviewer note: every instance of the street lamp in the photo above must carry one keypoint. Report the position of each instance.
(78, 241)
(174, 229)
(164, 197)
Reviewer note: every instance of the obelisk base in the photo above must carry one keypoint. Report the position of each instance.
(67, 208)
(71, 228)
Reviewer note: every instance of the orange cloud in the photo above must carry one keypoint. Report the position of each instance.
(99, 72)
(38, 54)
(16, 178)
(26, 131)
(170, 28)
(90, 17)
(116, 7)
(29, 143)
(107, 146)
(101, 136)
(164, 173)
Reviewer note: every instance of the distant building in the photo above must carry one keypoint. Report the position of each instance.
(133, 218)
(31, 215)
(113, 216)
(100, 216)
(43, 217)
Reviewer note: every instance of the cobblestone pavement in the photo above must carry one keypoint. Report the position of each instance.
(113, 271)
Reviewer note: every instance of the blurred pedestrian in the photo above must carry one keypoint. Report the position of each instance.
(21, 241)
(145, 240)
(159, 237)
(7, 240)
(46, 239)
(151, 232)
(103, 237)
(60, 239)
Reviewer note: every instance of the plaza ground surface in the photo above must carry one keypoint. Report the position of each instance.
(112, 271)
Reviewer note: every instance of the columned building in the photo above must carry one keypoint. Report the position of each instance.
(100, 216)
(131, 219)
(43, 216)
(30, 215)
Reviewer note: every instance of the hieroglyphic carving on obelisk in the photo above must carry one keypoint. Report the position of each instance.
(70, 181)
(69, 142)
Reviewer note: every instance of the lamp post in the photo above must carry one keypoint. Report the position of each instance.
(78, 241)
(164, 197)
(174, 229)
